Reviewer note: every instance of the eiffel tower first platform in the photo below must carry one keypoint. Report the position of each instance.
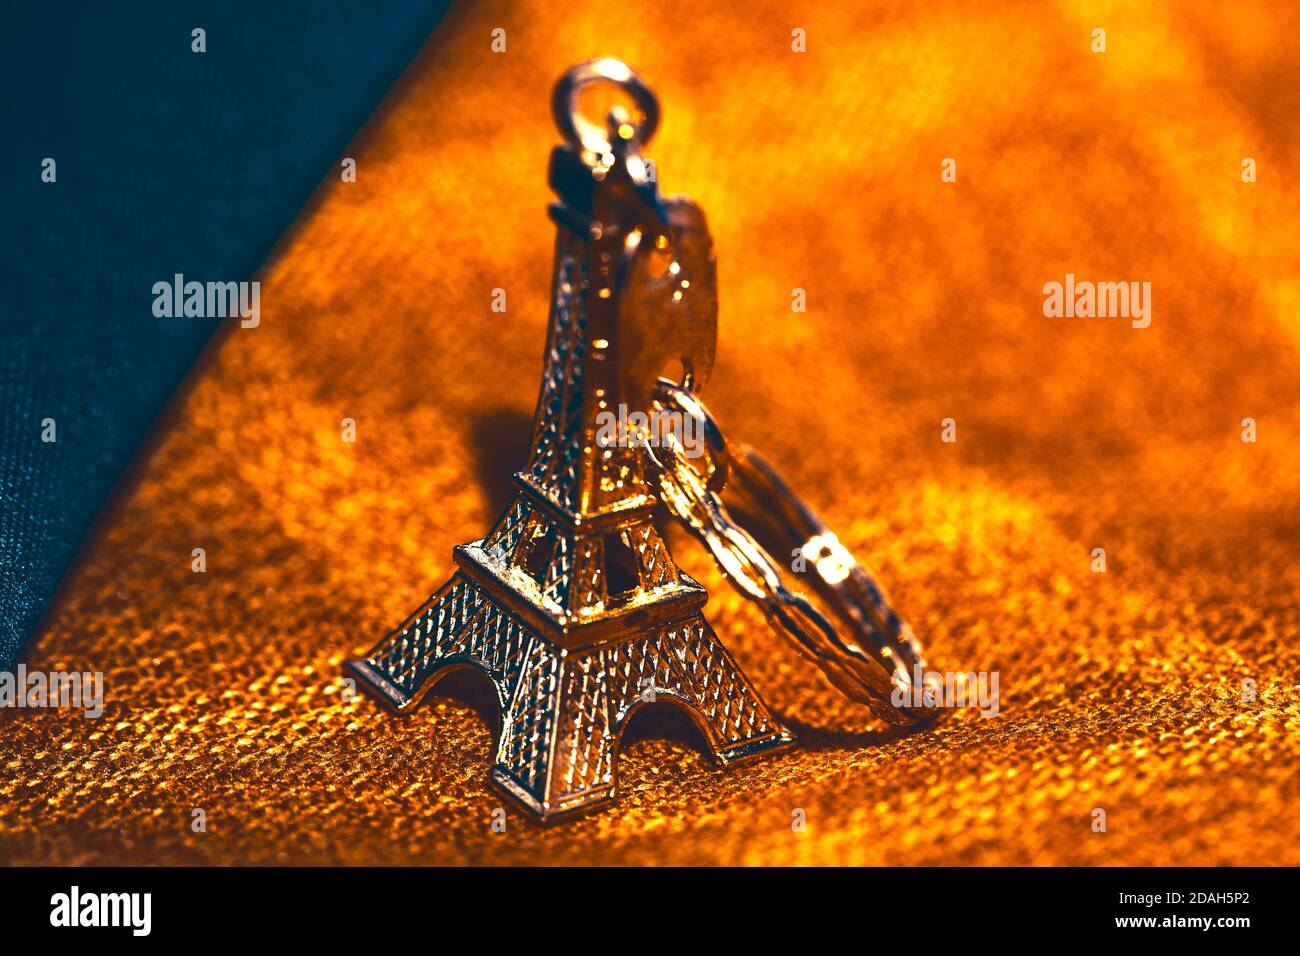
(572, 605)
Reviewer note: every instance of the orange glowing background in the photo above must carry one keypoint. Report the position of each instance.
(819, 171)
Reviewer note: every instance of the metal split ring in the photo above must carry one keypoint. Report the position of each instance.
(852, 633)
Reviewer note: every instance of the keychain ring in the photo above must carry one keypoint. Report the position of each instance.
(579, 130)
(852, 633)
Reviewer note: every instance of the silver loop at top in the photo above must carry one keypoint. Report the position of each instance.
(579, 130)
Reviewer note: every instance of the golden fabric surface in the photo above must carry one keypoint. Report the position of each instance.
(1120, 690)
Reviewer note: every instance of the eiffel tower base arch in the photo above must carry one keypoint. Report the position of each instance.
(566, 694)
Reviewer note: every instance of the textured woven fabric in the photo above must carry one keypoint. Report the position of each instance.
(1120, 690)
(165, 161)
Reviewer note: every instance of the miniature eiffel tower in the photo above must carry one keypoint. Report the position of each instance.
(572, 605)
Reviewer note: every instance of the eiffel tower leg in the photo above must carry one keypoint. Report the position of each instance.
(563, 727)
(460, 624)
(685, 663)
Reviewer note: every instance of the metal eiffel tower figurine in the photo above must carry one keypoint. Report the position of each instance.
(572, 604)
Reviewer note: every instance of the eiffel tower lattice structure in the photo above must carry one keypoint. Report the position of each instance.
(572, 605)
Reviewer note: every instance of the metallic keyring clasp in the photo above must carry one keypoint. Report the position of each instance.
(579, 130)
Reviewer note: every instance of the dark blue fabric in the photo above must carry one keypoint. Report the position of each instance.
(168, 161)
